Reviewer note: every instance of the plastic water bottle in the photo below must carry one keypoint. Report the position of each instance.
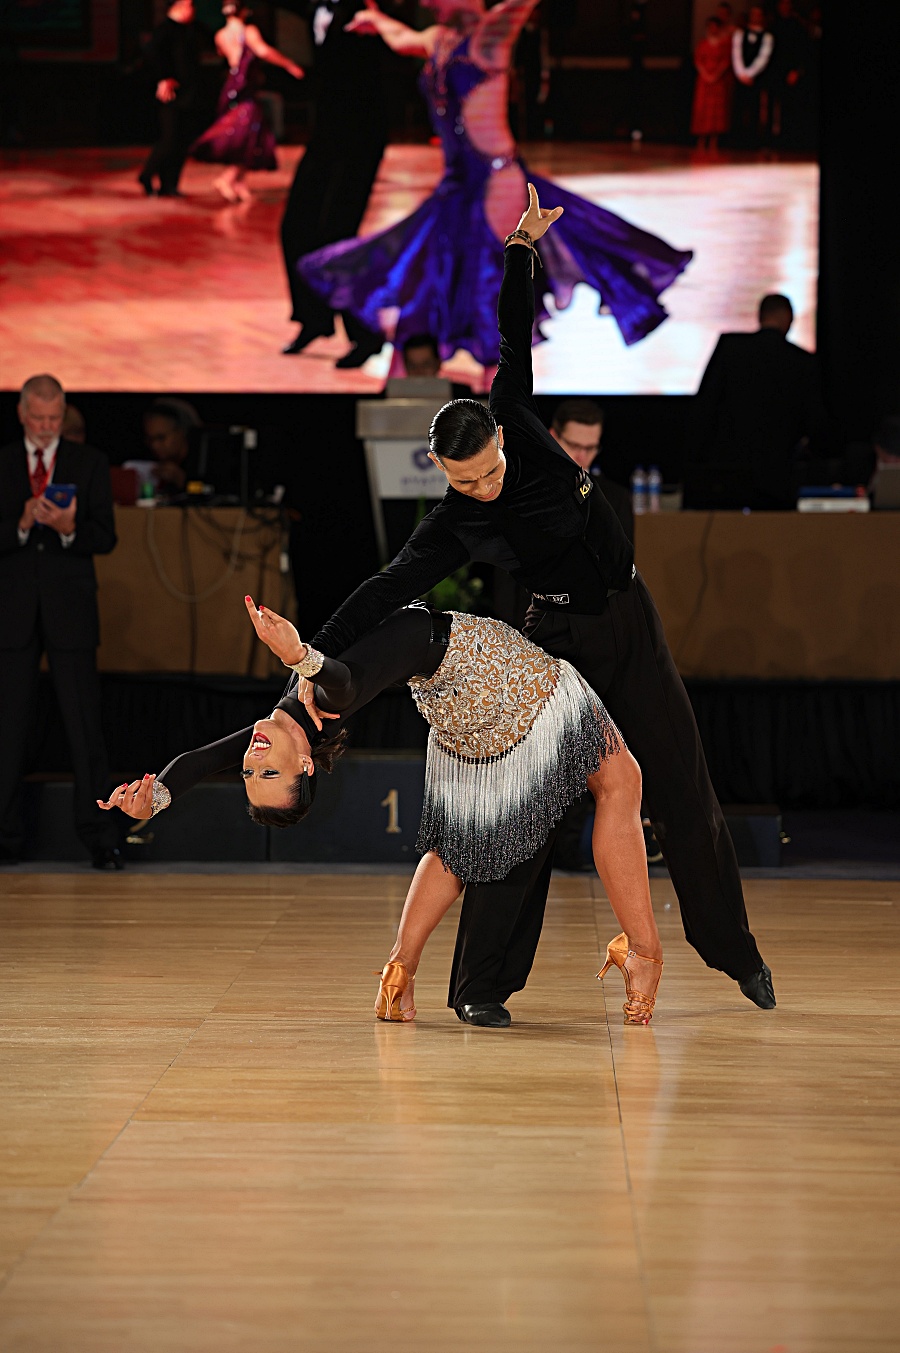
(639, 491)
(654, 488)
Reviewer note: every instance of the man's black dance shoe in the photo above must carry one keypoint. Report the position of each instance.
(306, 336)
(359, 354)
(490, 1015)
(759, 989)
(105, 857)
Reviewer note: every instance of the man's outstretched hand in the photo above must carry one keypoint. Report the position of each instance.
(536, 219)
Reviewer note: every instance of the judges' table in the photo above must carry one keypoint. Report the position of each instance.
(776, 595)
(172, 592)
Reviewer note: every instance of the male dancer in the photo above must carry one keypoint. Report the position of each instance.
(515, 499)
(334, 178)
(174, 58)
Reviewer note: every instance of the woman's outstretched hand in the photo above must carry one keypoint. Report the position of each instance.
(278, 633)
(536, 219)
(135, 799)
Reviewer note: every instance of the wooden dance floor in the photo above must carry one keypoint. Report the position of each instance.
(111, 290)
(209, 1145)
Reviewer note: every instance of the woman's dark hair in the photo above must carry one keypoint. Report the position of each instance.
(303, 787)
(461, 429)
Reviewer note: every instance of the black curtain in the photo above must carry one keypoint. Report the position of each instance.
(798, 744)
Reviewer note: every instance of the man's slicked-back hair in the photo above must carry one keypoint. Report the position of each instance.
(42, 387)
(461, 429)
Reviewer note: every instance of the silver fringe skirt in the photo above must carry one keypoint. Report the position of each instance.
(484, 814)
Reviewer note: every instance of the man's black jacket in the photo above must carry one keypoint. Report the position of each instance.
(550, 527)
(42, 580)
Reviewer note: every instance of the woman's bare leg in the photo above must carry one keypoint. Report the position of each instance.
(431, 895)
(621, 857)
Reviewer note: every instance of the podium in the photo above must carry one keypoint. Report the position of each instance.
(394, 432)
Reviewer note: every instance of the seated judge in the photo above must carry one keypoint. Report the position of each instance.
(48, 538)
(578, 427)
(759, 406)
(171, 432)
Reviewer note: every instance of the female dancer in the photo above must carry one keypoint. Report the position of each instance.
(241, 137)
(442, 266)
(515, 737)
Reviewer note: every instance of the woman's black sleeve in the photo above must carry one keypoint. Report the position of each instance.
(397, 649)
(188, 769)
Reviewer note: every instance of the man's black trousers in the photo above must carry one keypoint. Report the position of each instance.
(325, 204)
(624, 655)
(177, 129)
(74, 673)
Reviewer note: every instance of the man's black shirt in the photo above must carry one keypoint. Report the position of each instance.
(550, 527)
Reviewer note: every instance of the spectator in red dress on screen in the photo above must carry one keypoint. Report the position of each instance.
(711, 115)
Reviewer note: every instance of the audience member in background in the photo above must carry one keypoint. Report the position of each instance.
(788, 73)
(170, 433)
(751, 55)
(74, 428)
(578, 427)
(421, 356)
(174, 61)
(759, 405)
(714, 87)
(50, 595)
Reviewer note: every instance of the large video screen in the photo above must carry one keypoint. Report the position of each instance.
(112, 287)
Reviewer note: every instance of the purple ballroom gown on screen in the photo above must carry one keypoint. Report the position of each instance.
(241, 133)
(442, 266)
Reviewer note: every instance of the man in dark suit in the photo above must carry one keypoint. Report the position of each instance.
(334, 178)
(49, 589)
(174, 60)
(759, 406)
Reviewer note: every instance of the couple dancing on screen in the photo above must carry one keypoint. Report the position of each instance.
(517, 731)
(438, 271)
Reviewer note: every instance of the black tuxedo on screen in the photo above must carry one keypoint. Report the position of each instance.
(759, 403)
(50, 606)
(334, 178)
(174, 55)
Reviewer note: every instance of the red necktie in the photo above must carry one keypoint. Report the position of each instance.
(41, 474)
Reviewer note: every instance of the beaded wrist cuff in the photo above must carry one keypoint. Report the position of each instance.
(161, 797)
(311, 664)
(525, 238)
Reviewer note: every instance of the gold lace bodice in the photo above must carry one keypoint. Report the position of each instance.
(488, 690)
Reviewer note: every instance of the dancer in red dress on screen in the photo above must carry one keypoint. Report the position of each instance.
(241, 137)
(713, 92)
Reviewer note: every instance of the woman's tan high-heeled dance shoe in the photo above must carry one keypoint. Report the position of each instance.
(395, 979)
(638, 1006)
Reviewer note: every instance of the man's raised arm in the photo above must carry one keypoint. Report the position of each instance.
(515, 307)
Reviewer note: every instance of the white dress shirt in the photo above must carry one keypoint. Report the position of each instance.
(763, 55)
(49, 458)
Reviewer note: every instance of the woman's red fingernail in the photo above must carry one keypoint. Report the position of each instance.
(250, 599)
